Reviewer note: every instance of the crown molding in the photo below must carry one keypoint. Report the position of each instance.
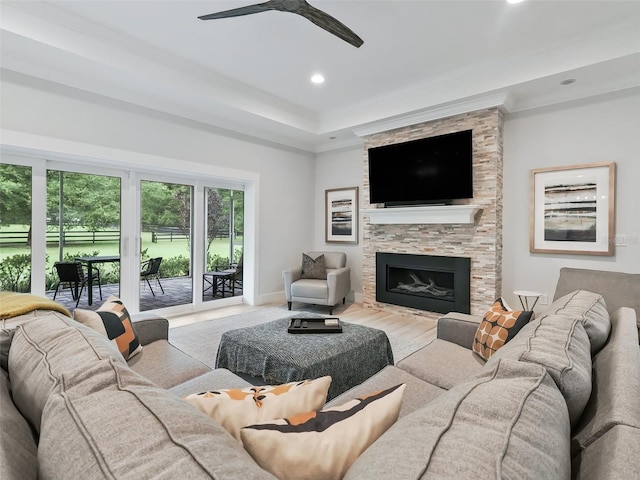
(497, 99)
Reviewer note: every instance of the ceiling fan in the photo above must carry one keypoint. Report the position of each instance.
(299, 7)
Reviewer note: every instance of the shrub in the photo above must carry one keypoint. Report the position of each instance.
(15, 273)
(174, 267)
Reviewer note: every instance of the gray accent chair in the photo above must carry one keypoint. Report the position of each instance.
(320, 292)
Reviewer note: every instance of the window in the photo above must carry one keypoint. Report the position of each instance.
(15, 228)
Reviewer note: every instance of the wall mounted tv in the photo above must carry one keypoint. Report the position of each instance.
(429, 170)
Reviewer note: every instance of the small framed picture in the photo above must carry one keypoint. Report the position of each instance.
(341, 215)
(573, 209)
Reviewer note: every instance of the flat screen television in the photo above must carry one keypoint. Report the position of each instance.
(429, 170)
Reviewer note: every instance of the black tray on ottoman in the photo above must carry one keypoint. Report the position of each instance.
(314, 325)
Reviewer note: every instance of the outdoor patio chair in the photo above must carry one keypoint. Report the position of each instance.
(151, 269)
(71, 275)
(224, 278)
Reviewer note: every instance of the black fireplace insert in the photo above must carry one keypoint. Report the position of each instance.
(426, 282)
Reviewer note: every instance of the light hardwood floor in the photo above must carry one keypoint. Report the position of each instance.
(409, 327)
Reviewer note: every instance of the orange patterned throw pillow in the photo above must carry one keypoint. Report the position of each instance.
(324, 444)
(499, 325)
(237, 408)
(112, 320)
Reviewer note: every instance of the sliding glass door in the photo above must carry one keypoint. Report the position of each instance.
(83, 225)
(57, 211)
(165, 246)
(15, 228)
(223, 273)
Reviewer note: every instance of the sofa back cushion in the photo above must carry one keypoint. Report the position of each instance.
(616, 391)
(508, 422)
(17, 446)
(591, 309)
(560, 345)
(106, 421)
(618, 289)
(43, 349)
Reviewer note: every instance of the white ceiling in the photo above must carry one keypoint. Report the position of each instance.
(420, 59)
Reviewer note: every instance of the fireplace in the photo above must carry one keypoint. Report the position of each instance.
(426, 282)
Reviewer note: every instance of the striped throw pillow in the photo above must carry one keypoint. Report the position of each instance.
(322, 444)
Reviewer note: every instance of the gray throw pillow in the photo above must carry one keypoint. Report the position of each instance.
(313, 268)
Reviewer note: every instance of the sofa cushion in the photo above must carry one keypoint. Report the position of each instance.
(310, 288)
(106, 421)
(18, 451)
(499, 325)
(561, 345)
(322, 444)
(591, 309)
(618, 289)
(166, 365)
(6, 335)
(218, 378)
(237, 408)
(113, 321)
(416, 395)
(614, 455)
(508, 422)
(615, 399)
(44, 348)
(443, 364)
(313, 267)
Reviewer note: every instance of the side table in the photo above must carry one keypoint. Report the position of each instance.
(525, 295)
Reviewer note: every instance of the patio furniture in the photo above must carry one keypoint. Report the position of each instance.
(224, 278)
(151, 269)
(90, 261)
(71, 275)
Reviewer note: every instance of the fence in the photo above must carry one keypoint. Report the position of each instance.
(20, 238)
(167, 233)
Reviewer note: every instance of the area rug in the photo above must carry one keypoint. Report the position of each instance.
(201, 340)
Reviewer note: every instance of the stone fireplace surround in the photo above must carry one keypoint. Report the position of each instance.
(481, 241)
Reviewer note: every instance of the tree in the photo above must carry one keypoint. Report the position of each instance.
(15, 194)
(92, 201)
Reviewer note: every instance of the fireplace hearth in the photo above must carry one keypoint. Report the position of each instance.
(426, 282)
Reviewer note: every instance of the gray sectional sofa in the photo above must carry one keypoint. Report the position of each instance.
(560, 400)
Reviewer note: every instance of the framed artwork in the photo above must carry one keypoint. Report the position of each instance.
(573, 209)
(341, 215)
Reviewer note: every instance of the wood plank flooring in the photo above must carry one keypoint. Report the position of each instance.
(409, 327)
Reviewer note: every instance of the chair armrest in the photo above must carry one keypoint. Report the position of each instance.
(458, 328)
(150, 327)
(339, 283)
(290, 276)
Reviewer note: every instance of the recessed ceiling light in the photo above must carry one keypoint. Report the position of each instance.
(514, 1)
(317, 78)
(568, 81)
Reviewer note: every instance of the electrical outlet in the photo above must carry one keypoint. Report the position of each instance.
(621, 240)
(544, 299)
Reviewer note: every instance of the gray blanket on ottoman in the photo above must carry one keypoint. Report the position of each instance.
(270, 352)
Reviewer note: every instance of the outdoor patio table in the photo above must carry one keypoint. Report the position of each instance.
(90, 261)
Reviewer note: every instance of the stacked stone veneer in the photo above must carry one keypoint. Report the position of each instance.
(482, 241)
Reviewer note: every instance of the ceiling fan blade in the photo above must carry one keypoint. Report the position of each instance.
(236, 12)
(330, 24)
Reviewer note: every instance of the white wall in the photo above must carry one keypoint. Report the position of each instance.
(599, 129)
(286, 177)
(340, 169)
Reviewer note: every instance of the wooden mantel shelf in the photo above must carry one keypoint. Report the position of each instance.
(455, 214)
